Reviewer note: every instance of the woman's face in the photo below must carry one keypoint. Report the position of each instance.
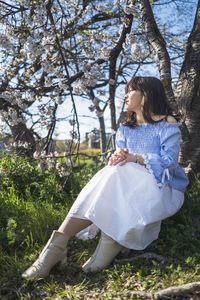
(134, 101)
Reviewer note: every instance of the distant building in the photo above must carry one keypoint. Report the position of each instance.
(93, 138)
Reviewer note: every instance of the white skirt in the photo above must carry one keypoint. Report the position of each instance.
(126, 203)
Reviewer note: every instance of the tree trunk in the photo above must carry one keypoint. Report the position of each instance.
(188, 97)
(158, 44)
(22, 134)
(112, 68)
(102, 134)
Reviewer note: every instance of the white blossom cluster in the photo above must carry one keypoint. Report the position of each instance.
(15, 98)
(2, 125)
(36, 154)
(40, 15)
(104, 54)
(63, 85)
(48, 41)
(33, 48)
(12, 117)
(130, 9)
(89, 79)
(95, 107)
(48, 81)
(6, 96)
(58, 99)
(20, 144)
(20, 103)
(47, 66)
(51, 162)
(102, 8)
(31, 96)
(46, 110)
(61, 170)
(5, 43)
(136, 51)
(56, 95)
(92, 76)
(25, 3)
(130, 38)
(45, 124)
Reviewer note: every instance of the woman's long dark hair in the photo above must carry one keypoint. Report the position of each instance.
(155, 100)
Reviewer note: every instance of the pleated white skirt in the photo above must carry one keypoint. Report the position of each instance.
(126, 203)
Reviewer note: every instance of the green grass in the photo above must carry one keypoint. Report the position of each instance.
(26, 224)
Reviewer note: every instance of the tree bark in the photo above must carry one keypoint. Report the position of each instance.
(158, 44)
(112, 68)
(102, 134)
(20, 133)
(188, 97)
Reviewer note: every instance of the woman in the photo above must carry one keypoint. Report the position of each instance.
(142, 184)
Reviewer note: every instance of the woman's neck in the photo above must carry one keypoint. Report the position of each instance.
(139, 117)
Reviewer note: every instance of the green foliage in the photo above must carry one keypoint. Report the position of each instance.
(27, 178)
(29, 212)
(33, 200)
(30, 179)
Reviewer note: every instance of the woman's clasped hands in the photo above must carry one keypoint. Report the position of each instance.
(122, 156)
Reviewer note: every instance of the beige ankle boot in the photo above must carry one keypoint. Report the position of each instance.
(53, 252)
(105, 252)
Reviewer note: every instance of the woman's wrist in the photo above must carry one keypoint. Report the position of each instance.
(139, 159)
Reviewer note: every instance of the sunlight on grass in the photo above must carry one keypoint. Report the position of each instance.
(26, 223)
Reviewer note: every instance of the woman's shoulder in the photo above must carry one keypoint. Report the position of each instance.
(168, 119)
(167, 126)
(171, 120)
(170, 127)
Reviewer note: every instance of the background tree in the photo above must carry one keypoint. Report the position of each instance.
(54, 51)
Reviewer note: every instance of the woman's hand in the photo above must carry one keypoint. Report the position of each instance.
(121, 156)
(129, 158)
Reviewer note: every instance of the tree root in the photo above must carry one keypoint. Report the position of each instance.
(179, 290)
(148, 255)
(165, 294)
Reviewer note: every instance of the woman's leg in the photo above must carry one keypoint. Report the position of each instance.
(70, 226)
(55, 249)
(105, 252)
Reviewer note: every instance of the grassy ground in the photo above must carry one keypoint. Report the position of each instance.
(174, 259)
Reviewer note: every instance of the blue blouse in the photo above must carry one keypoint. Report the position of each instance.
(159, 145)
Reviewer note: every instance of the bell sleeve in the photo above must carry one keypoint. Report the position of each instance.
(161, 164)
